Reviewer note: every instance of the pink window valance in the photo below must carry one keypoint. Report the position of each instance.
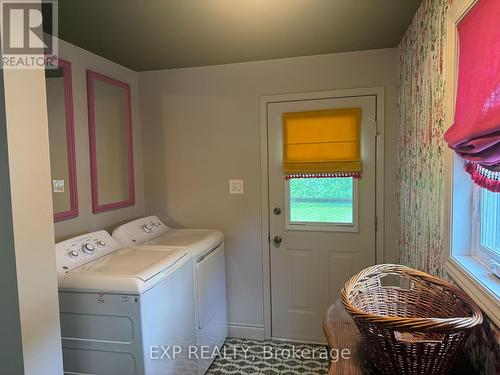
(475, 133)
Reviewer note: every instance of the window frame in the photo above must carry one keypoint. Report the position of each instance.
(464, 260)
(323, 226)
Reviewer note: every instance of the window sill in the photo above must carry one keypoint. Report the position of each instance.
(478, 282)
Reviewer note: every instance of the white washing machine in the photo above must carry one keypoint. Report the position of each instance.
(125, 311)
(207, 249)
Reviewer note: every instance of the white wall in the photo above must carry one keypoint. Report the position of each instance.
(200, 128)
(11, 350)
(81, 60)
(33, 229)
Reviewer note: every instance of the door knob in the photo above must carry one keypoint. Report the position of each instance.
(277, 211)
(277, 241)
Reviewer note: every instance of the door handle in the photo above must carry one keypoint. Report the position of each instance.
(277, 241)
(277, 211)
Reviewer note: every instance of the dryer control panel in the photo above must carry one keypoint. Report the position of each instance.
(76, 251)
(139, 231)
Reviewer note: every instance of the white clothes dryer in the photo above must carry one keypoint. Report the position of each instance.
(209, 270)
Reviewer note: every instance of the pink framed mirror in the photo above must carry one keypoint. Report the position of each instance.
(62, 140)
(110, 141)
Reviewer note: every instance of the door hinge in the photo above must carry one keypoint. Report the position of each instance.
(376, 223)
(269, 237)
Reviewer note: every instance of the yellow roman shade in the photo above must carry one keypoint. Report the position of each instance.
(323, 143)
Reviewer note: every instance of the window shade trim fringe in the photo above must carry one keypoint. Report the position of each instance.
(485, 178)
(323, 175)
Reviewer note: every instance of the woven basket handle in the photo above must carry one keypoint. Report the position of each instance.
(400, 281)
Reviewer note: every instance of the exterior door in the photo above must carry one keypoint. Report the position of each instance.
(322, 230)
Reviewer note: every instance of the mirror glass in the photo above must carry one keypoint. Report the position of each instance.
(110, 129)
(61, 140)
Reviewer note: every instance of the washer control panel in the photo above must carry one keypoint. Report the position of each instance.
(77, 251)
(139, 231)
(152, 226)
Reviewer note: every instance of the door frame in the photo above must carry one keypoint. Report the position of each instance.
(265, 100)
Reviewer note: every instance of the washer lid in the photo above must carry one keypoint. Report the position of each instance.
(126, 270)
(142, 263)
(134, 262)
(199, 241)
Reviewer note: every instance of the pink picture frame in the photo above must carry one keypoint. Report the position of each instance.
(70, 143)
(97, 207)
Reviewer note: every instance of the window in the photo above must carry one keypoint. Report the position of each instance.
(321, 202)
(472, 214)
(474, 236)
(488, 226)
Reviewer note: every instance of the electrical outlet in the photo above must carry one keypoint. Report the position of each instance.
(236, 187)
(58, 186)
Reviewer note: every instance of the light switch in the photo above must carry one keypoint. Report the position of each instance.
(235, 186)
(58, 186)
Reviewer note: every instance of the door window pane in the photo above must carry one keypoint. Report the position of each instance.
(321, 200)
(490, 220)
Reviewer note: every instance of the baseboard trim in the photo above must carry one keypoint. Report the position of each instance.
(294, 341)
(246, 331)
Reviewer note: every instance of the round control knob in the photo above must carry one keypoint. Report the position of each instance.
(88, 248)
(101, 243)
(73, 254)
(147, 228)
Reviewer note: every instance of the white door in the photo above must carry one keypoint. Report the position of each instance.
(326, 226)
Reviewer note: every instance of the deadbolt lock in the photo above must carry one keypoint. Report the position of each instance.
(277, 211)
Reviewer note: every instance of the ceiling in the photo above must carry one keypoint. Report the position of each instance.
(165, 34)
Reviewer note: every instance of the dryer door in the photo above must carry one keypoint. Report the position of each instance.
(211, 270)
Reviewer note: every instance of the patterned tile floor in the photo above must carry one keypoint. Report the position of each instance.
(241, 356)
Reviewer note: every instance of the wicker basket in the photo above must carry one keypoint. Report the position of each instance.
(411, 322)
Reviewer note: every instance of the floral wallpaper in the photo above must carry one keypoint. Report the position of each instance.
(421, 121)
(421, 155)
